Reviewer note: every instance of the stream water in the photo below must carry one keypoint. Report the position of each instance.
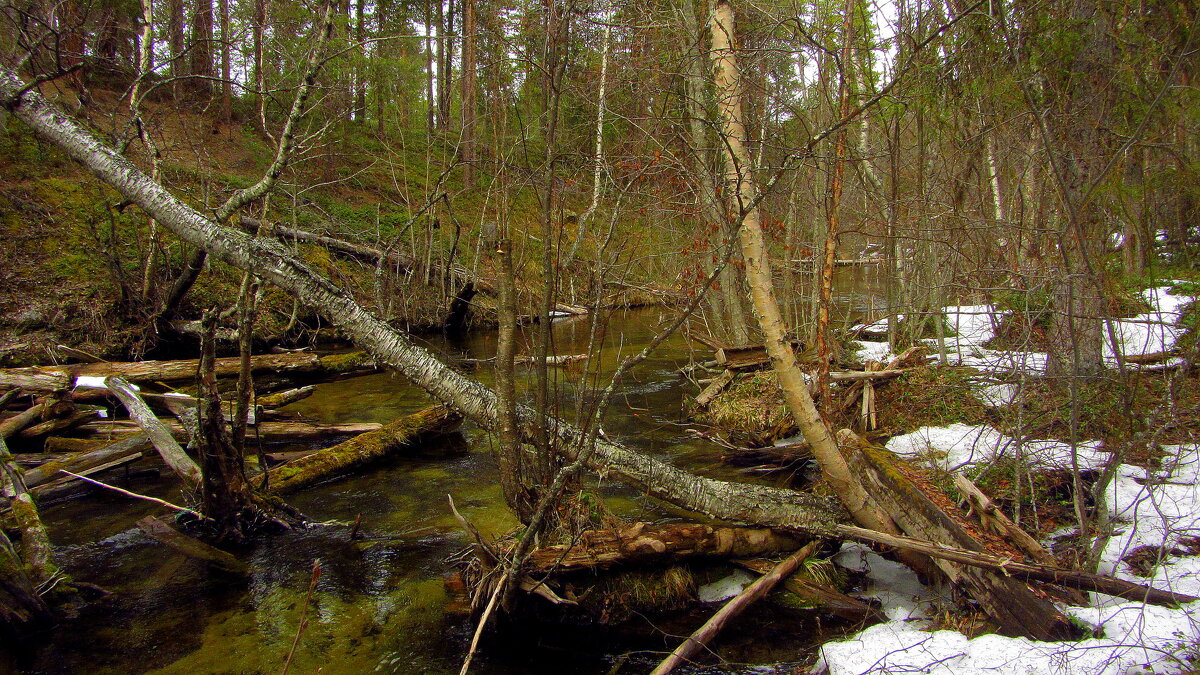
(381, 605)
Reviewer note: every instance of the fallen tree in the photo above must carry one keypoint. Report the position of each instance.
(406, 432)
(750, 504)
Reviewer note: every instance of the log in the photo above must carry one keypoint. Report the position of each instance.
(35, 378)
(282, 398)
(192, 547)
(911, 503)
(16, 423)
(408, 432)
(1084, 581)
(36, 551)
(75, 419)
(717, 386)
(747, 597)
(132, 447)
(268, 432)
(305, 363)
(183, 466)
(21, 608)
(991, 517)
(657, 544)
(562, 360)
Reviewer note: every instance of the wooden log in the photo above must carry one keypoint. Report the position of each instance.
(14, 424)
(58, 445)
(192, 547)
(75, 419)
(911, 503)
(1076, 579)
(132, 447)
(305, 363)
(268, 432)
(561, 360)
(717, 386)
(36, 378)
(747, 597)
(183, 466)
(827, 597)
(36, 551)
(774, 455)
(991, 517)
(648, 543)
(21, 608)
(407, 432)
(282, 398)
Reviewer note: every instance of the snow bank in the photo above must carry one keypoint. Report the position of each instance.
(1150, 509)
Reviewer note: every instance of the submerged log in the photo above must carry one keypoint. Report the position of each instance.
(647, 543)
(407, 432)
(282, 398)
(21, 608)
(192, 547)
(911, 502)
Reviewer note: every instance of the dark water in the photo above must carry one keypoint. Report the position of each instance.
(380, 606)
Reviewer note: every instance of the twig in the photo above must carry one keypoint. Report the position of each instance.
(135, 495)
(312, 586)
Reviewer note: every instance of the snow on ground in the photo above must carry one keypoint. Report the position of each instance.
(957, 446)
(972, 326)
(1149, 509)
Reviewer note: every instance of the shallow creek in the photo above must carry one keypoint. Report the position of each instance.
(381, 605)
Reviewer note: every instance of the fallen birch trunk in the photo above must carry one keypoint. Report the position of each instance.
(719, 499)
(179, 461)
(562, 360)
(406, 432)
(644, 542)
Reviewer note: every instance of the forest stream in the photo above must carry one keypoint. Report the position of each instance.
(381, 603)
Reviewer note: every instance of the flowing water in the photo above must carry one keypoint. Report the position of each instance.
(381, 605)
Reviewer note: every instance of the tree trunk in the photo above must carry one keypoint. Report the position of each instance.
(467, 143)
(201, 70)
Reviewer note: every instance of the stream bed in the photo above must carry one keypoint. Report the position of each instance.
(381, 605)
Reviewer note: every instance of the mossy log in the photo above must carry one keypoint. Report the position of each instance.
(11, 425)
(406, 432)
(647, 543)
(36, 551)
(62, 377)
(282, 398)
(132, 447)
(21, 608)
(920, 509)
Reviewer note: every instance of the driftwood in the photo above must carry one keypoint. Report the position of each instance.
(62, 377)
(747, 597)
(644, 542)
(1007, 566)
(919, 508)
(192, 547)
(406, 432)
(185, 467)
